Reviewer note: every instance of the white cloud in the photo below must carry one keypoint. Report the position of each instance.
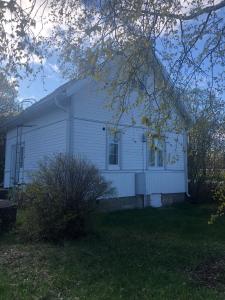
(39, 10)
(54, 67)
(37, 60)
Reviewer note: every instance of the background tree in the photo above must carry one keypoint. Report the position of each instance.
(206, 143)
(8, 107)
(19, 41)
(188, 38)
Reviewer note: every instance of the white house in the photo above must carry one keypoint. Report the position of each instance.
(73, 120)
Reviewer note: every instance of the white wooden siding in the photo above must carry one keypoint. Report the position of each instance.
(90, 141)
(48, 136)
(175, 151)
(133, 149)
(124, 182)
(165, 182)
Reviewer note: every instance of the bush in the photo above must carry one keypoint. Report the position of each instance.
(203, 192)
(219, 197)
(16, 195)
(7, 215)
(60, 198)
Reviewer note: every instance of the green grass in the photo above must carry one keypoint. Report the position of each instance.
(136, 254)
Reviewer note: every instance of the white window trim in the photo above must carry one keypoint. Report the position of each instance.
(110, 166)
(156, 168)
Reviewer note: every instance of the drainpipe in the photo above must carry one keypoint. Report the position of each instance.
(145, 193)
(144, 155)
(186, 163)
(69, 123)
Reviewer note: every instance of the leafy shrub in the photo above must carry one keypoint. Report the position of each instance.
(219, 197)
(7, 215)
(16, 195)
(60, 198)
(203, 192)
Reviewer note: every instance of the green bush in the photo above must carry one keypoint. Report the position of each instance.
(219, 198)
(16, 195)
(7, 215)
(60, 198)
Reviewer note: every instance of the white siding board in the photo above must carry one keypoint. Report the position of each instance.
(124, 182)
(90, 141)
(165, 182)
(45, 141)
(48, 136)
(175, 151)
(90, 103)
(133, 149)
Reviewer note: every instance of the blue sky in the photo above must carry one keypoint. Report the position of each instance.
(50, 79)
(44, 83)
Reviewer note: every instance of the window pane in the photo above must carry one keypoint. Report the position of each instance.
(113, 154)
(160, 158)
(152, 157)
(156, 153)
(160, 145)
(114, 137)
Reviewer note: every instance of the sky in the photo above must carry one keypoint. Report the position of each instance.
(48, 80)
(43, 84)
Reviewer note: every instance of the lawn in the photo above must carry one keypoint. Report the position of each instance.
(167, 253)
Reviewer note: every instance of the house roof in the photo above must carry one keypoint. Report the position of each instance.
(37, 107)
(72, 86)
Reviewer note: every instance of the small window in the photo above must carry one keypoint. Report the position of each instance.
(156, 152)
(113, 148)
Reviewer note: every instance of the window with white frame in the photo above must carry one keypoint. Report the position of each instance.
(113, 147)
(156, 152)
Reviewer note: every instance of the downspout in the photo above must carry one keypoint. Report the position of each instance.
(144, 155)
(69, 124)
(186, 164)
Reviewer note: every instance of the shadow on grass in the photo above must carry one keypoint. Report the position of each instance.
(135, 254)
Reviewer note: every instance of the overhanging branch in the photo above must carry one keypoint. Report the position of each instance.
(186, 17)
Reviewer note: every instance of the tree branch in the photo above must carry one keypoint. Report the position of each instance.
(186, 17)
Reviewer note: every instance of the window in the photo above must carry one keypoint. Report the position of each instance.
(113, 148)
(156, 152)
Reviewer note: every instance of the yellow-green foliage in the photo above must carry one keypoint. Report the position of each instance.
(219, 196)
(60, 198)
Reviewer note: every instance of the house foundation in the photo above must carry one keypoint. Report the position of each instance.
(139, 201)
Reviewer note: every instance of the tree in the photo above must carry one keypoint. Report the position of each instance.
(8, 107)
(19, 41)
(206, 143)
(188, 38)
